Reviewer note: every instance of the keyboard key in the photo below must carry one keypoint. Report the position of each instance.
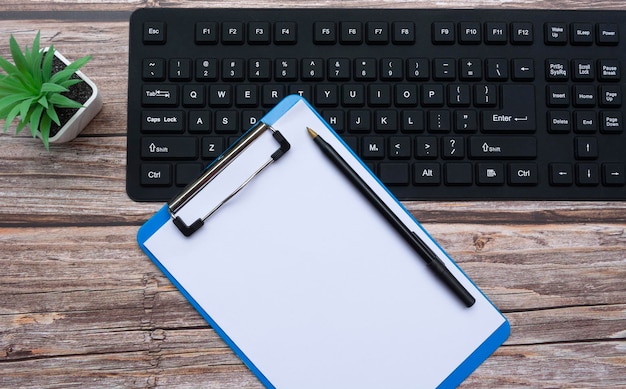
(426, 147)
(403, 33)
(154, 33)
(458, 173)
(497, 69)
(206, 33)
(587, 174)
(503, 147)
(386, 122)
(490, 174)
(517, 113)
(162, 121)
(561, 174)
(558, 96)
(584, 96)
(233, 69)
(609, 70)
(523, 69)
(206, 69)
(259, 33)
(285, 33)
(453, 147)
(611, 122)
(394, 173)
(443, 33)
(326, 95)
(187, 173)
(227, 122)
(159, 95)
(156, 174)
(399, 147)
(559, 122)
(313, 69)
(610, 96)
(180, 69)
(586, 148)
(582, 33)
(232, 33)
(608, 34)
(583, 70)
(470, 33)
(153, 69)
(194, 95)
(373, 147)
(557, 69)
(417, 69)
(325, 33)
(585, 122)
(212, 147)
(523, 174)
(427, 174)
(496, 33)
(555, 33)
(444, 69)
(351, 33)
(377, 33)
(260, 69)
(613, 174)
(522, 33)
(183, 147)
(199, 121)
(412, 121)
(485, 95)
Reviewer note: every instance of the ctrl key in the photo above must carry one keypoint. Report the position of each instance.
(156, 174)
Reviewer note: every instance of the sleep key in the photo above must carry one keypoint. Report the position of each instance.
(162, 121)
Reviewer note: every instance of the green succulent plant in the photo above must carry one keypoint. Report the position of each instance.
(31, 93)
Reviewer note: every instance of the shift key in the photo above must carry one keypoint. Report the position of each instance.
(183, 147)
(517, 113)
(503, 147)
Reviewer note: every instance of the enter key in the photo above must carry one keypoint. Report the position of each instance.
(517, 113)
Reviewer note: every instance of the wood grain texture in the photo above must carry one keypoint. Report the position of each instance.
(82, 306)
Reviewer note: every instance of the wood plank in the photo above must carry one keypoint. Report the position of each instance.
(102, 268)
(129, 5)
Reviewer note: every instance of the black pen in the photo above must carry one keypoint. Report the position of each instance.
(411, 237)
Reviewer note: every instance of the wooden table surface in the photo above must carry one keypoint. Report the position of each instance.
(82, 306)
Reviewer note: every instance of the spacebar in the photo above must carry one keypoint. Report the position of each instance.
(517, 113)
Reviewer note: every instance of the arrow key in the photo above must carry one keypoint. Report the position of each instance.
(613, 174)
(523, 69)
(561, 174)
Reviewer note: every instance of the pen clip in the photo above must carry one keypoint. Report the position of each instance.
(216, 168)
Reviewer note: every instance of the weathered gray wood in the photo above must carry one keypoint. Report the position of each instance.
(82, 306)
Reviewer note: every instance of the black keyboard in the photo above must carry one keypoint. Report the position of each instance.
(440, 104)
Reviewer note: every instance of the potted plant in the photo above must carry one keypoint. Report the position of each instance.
(47, 93)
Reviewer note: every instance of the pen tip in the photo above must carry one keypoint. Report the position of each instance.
(311, 132)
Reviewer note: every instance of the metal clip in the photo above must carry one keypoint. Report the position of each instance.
(216, 168)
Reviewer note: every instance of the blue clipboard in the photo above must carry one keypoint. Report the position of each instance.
(304, 280)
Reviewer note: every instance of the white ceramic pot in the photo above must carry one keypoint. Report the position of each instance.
(84, 115)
